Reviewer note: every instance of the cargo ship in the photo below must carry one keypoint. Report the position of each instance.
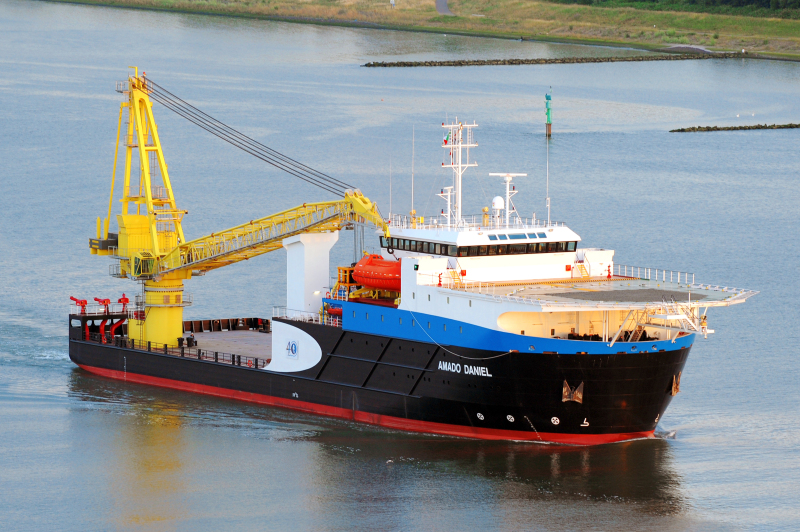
(492, 326)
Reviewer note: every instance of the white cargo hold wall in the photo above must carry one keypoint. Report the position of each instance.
(308, 269)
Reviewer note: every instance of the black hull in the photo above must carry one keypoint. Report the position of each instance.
(398, 384)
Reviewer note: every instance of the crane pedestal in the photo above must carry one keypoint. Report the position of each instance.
(161, 317)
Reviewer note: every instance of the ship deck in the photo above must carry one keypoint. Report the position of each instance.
(245, 343)
(604, 293)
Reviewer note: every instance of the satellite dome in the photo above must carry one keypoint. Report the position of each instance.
(498, 203)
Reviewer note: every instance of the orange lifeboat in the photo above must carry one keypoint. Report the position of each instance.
(375, 272)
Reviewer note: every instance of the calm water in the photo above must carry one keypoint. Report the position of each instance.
(84, 453)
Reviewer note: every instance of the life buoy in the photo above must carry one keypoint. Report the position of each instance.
(249, 363)
(327, 295)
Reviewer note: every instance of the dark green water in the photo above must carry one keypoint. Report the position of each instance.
(84, 453)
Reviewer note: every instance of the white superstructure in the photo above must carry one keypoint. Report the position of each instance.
(501, 271)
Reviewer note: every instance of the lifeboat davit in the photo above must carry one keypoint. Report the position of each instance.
(375, 272)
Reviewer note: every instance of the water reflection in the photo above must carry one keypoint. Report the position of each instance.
(341, 473)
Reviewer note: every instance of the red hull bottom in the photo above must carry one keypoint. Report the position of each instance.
(374, 419)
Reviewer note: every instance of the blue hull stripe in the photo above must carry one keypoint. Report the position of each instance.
(407, 325)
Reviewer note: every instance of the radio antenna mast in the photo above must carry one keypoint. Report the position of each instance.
(548, 97)
(390, 187)
(458, 136)
(412, 168)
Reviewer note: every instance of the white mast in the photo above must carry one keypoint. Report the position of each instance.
(458, 137)
(548, 112)
(509, 193)
(548, 180)
(412, 168)
(390, 187)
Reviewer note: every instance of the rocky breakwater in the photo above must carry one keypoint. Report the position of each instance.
(558, 61)
(734, 128)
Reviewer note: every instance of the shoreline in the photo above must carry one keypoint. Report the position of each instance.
(701, 129)
(489, 33)
(557, 61)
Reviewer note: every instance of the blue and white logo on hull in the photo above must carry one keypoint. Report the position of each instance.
(292, 349)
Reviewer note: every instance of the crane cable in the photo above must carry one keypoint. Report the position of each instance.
(245, 143)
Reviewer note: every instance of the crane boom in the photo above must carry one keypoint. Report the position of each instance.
(257, 237)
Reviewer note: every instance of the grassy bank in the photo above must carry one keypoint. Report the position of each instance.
(519, 18)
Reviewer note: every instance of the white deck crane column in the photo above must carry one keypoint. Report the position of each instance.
(308, 269)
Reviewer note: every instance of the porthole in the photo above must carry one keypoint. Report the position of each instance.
(510, 418)
(479, 416)
(555, 420)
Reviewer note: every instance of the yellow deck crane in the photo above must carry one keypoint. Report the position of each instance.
(150, 244)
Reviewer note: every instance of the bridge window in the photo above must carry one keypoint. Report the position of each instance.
(433, 248)
(502, 237)
(518, 236)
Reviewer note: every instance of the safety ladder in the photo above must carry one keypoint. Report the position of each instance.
(637, 334)
(456, 278)
(582, 270)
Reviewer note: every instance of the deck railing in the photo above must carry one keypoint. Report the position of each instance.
(654, 274)
(475, 222)
(498, 291)
(307, 317)
(198, 352)
(94, 309)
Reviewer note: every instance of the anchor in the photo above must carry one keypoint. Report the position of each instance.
(572, 394)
